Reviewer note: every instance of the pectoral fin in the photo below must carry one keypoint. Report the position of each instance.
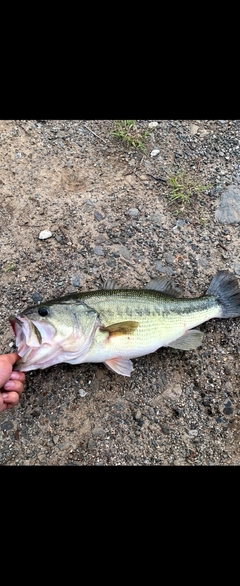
(189, 341)
(121, 329)
(120, 365)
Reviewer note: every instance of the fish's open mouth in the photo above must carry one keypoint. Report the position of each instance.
(29, 340)
(15, 323)
(26, 334)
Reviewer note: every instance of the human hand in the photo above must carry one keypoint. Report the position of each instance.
(11, 382)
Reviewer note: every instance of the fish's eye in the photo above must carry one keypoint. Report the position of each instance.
(43, 311)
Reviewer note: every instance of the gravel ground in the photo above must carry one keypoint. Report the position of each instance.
(108, 207)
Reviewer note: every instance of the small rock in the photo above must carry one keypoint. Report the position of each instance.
(203, 132)
(133, 212)
(98, 216)
(55, 439)
(125, 252)
(155, 152)
(137, 415)
(111, 263)
(36, 297)
(228, 410)
(153, 124)
(236, 266)
(169, 258)
(65, 445)
(7, 425)
(98, 431)
(91, 444)
(100, 238)
(157, 219)
(76, 281)
(45, 234)
(159, 267)
(98, 250)
(165, 429)
(172, 392)
(82, 393)
(193, 129)
(228, 211)
(119, 404)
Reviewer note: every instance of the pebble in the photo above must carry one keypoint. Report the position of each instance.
(76, 281)
(159, 266)
(236, 266)
(98, 216)
(137, 415)
(45, 234)
(36, 297)
(172, 393)
(228, 211)
(65, 445)
(125, 252)
(165, 429)
(228, 410)
(133, 212)
(155, 152)
(193, 129)
(82, 393)
(153, 125)
(169, 258)
(119, 404)
(98, 250)
(7, 425)
(91, 444)
(55, 439)
(157, 219)
(111, 262)
(98, 431)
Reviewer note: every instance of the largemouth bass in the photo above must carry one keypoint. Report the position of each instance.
(114, 325)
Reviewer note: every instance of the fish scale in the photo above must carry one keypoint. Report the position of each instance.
(158, 325)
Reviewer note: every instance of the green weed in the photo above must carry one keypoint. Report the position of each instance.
(182, 188)
(10, 267)
(126, 130)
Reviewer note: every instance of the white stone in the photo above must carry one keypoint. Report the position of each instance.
(45, 234)
(155, 152)
(193, 129)
(152, 124)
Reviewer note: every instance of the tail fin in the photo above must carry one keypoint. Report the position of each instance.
(224, 286)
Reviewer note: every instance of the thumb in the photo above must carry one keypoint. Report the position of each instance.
(13, 357)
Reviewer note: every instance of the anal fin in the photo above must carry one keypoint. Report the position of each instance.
(189, 341)
(120, 365)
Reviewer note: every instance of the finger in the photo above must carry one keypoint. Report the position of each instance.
(12, 358)
(14, 385)
(16, 375)
(11, 399)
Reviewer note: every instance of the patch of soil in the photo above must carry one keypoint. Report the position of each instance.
(108, 207)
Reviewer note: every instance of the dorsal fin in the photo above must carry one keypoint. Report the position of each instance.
(109, 284)
(164, 285)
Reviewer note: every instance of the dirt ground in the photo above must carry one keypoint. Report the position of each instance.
(107, 204)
